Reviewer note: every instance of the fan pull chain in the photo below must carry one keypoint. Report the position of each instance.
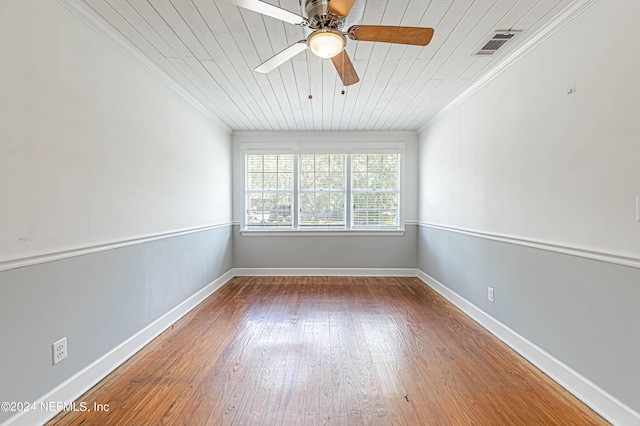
(342, 74)
(309, 73)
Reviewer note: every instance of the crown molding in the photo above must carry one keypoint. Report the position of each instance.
(87, 15)
(565, 17)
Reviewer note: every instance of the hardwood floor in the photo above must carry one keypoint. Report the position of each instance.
(328, 350)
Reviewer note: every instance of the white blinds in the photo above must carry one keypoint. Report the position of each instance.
(269, 191)
(322, 190)
(375, 190)
(310, 191)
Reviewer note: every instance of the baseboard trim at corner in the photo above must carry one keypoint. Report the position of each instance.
(85, 379)
(325, 272)
(600, 401)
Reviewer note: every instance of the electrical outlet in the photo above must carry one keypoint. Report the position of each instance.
(490, 295)
(59, 350)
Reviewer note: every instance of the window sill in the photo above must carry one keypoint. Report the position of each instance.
(322, 233)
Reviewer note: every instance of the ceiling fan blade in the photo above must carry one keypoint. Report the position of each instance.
(271, 10)
(340, 7)
(345, 68)
(401, 35)
(282, 57)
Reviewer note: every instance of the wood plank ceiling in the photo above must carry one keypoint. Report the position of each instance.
(210, 47)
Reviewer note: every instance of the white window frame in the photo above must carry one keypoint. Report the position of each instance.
(278, 191)
(329, 147)
(298, 192)
(353, 192)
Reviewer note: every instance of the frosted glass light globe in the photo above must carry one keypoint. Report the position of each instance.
(326, 43)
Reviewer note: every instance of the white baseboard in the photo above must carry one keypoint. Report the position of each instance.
(325, 272)
(85, 379)
(600, 401)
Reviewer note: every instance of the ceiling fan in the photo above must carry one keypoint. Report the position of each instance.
(327, 40)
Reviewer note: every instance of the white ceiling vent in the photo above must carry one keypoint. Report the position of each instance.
(499, 39)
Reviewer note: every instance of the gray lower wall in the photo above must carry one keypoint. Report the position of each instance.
(582, 312)
(326, 251)
(97, 301)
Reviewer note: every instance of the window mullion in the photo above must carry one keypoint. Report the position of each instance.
(348, 202)
(295, 193)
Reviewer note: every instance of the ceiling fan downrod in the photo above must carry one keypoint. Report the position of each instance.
(319, 15)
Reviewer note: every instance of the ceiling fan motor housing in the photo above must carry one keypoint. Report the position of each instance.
(319, 16)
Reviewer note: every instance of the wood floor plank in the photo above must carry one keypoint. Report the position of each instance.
(328, 351)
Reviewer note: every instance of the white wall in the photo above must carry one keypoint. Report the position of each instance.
(522, 158)
(535, 192)
(93, 148)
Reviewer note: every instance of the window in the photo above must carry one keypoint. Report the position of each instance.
(375, 189)
(269, 191)
(322, 191)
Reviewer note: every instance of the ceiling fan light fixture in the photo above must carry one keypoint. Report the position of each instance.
(326, 43)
